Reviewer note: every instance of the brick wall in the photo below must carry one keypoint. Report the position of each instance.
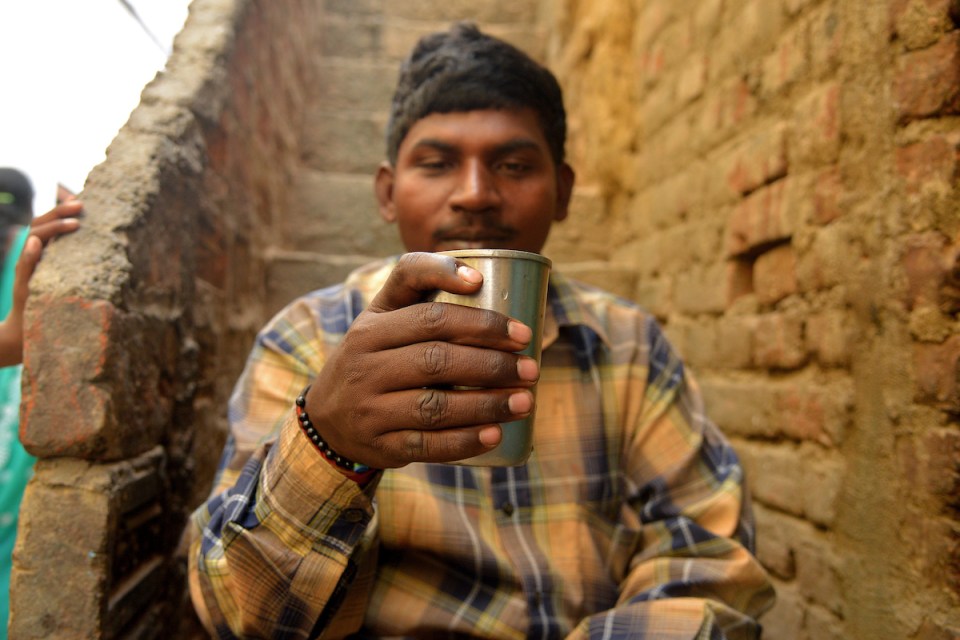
(776, 180)
(139, 324)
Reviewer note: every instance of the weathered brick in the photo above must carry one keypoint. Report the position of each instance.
(778, 341)
(788, 63)
(775, 274)
(691, 79)
(775, 475)
(777, 537)
(761, 218)
(925, 264)
(826, 39)
(785, 619)
(936, 368)
(701, 289)
(728, 105)
(823, 476)
(919, 23)
(350, 36)
(829, 336)
(759, 160)
(734, 341)
(929, 165)
(823, 624)
(815, 128)
(740, 407)
(819, 572)
(928, 81)
(828, 194)
(827, 260)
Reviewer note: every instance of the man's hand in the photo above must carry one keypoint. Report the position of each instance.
(387, 396)
(58, 221)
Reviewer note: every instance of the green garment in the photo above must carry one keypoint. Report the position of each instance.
(16, 465)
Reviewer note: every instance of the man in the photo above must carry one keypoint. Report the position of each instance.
(21, 244)
(337, 513)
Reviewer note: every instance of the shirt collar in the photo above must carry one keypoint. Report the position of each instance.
(565, 309)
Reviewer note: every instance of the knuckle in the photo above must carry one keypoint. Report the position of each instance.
(415, 445)
(435, 358)
(432, 407)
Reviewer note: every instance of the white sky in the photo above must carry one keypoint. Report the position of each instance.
(72, 71)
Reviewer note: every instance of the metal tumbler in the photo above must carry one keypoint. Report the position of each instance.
(514, 284)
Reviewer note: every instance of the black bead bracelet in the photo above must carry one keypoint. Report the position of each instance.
(325, 450)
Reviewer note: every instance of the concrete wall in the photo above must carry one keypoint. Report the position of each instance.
(775, 179)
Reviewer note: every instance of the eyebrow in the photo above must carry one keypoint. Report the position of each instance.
(515, 144)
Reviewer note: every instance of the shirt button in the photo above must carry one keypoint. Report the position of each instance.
(353, 515)
(507, 509)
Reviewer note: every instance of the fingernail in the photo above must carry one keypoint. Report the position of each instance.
(520, 403)
(527, 369)
(519, 331)
(490, 437)
(468, 274)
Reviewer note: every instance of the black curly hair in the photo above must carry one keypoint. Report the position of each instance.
(464, 70)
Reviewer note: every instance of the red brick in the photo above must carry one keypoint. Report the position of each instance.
(936, 368)
(925, 266)
(916, 21)
(775, 274)
(928, 81)
(816, 125)
(739, 280)
(930, 163)
(829, 338)
(802, 415)
(827, 196)
(760, 219)
(759, 160)
(778, 342)
(787, 63)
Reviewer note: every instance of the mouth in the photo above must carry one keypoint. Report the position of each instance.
(454, 239)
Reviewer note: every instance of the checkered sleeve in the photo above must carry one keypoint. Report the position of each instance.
(275, 549)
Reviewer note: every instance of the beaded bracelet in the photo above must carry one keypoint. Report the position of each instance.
(325, 450)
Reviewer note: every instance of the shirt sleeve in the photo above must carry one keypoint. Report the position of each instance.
(693, 574)
(281, 542)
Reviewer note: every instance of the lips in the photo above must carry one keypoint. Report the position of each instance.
(473, 238)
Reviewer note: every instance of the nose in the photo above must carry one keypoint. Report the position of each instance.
(476, 189)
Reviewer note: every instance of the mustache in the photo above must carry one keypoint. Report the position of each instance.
(467, 230)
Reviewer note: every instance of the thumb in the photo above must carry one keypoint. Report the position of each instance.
(418, 274)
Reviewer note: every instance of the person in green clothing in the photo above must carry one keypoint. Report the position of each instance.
(22, 238)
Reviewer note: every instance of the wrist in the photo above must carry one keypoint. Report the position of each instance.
(354, 470)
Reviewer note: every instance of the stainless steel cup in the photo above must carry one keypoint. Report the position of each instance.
(515, 284)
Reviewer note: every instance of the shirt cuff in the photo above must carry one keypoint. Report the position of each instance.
(311, 493)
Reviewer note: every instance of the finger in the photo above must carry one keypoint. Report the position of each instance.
(68, 209)
(433, 409)
(448, 445)
(417, 274)
(438, 321)
(26, 265)
(436, 364)
(52, 228)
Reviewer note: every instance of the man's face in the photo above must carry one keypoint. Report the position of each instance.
(474, 179)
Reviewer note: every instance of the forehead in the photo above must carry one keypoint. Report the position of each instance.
(478, 128)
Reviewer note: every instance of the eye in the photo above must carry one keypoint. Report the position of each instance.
(515, 167)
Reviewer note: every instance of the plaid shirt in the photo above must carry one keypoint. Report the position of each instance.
(629, 520)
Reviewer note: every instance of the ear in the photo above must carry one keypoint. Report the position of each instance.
(565, 179)
(383, 188)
